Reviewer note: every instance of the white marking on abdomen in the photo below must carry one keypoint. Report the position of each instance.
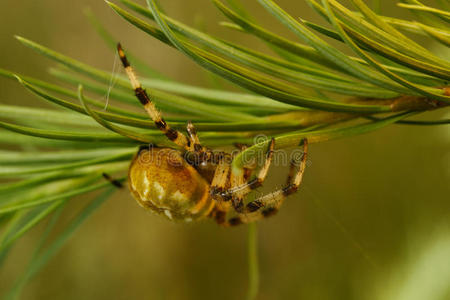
(132, 185)
(159, 190)
(146, 185)
(168, 214)
(178, 196)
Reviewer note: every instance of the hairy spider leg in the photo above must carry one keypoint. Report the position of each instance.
(240, 188)
(269, 204)
(174, 135)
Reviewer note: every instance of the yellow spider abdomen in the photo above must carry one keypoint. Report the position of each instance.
(163, 182)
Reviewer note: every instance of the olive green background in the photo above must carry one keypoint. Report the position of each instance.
(371, 220)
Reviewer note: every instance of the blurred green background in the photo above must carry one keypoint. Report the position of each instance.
(371, 220)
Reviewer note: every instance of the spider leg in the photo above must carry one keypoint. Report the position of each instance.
(219, 183)
(203, 153)
(237, 196)
(113, 181)
(269, 204)
(240, 188)
(172, 134)
(220, 179)
(219, 213)
(192, 133)
(248, 169)
(241, 146)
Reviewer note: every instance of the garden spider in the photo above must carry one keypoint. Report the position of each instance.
(194, 182)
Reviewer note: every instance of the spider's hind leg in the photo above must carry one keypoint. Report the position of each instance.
(113, 181)
(269, 204)
(219, 183)
(240, 188)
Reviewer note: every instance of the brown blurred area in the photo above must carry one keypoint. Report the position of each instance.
(367, 206)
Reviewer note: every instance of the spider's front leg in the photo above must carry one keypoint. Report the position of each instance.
(191, 143)
(202, 153)
(174, 135)
(269, 204)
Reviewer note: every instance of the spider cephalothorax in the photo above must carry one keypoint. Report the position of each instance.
(196, 182)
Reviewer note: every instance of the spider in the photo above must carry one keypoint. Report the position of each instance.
(194, 183)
